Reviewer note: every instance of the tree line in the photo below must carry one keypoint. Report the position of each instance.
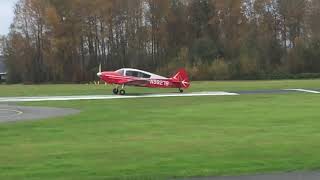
(65, 41)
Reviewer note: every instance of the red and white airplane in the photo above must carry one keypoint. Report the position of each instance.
(135, 77)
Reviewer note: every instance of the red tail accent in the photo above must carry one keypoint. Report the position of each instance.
(182, 77)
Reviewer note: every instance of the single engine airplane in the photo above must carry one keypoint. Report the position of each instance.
(135, 77)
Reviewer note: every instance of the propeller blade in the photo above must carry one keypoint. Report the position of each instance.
(100, 71)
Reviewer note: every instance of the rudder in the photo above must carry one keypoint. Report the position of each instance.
(182, 77)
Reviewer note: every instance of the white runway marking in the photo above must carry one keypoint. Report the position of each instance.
(105, 97)
(304, 90)
(9, 113)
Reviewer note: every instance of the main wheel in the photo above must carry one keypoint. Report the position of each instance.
(181, 90)
(122, 92)
(115, 91)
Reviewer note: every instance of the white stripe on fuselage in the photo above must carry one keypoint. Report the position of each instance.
(131, 77)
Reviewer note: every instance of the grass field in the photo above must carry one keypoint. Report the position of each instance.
(70, 89)
(156, 138)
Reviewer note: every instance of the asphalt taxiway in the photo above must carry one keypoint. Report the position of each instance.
(13, 113)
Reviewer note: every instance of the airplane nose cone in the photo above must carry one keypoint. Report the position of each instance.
(99, 74)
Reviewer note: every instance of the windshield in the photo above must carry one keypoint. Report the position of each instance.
(120, 71)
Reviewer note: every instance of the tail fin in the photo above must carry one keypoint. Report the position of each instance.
(182, 77)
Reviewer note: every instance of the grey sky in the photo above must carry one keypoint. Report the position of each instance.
(6, 15)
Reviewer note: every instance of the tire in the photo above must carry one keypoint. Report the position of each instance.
(122, 92)
(181, 90)
(115, 91)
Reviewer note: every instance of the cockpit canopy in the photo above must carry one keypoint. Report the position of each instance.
(137, 73)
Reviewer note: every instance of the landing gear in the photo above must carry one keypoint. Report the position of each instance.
(122, 92)
(181, 90)
(115, 91)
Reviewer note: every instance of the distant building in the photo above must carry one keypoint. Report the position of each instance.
(3, 70)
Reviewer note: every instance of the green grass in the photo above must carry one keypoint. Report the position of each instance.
(70, 89)
(155, 138)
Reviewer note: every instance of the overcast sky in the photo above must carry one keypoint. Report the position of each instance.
(6, 15)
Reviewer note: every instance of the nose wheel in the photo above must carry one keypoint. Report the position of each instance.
(115, 91)
(181, 90)
(122, 92)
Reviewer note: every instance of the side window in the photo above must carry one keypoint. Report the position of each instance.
(137, 74)
(143, 75)
(132, 73)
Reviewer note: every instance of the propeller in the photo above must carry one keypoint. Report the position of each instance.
(100, 71)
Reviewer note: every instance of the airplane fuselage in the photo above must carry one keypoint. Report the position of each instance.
(135, 77)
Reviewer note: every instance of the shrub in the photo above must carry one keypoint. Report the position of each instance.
(219, 70)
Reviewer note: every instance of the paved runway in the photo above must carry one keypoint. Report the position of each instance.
(105, 97)
(18, 113)
(283, 176)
